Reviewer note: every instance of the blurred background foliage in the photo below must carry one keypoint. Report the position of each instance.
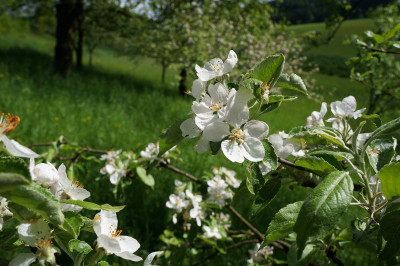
(121, 68)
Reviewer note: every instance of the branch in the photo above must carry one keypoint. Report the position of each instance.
(378, 50)
(289, 163)
(178, 171)
(331, 254)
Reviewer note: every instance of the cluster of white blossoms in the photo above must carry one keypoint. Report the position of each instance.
(258, 255)
(114, 167)
(222, 115)
(46, 175)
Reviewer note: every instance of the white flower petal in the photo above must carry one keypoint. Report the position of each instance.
(256, 129)
(202, 145)
(150, 257)
(108, 221)
(232, 151)
(111, 244)
(203, 120)
(204, 74)
(31, 232)
(252, 149)
(17, 149)
(23, 259)
(189, 128)
(351, 103)
(216, 131)
(218, 92)
(198, 88)
(128, 256)
(230, 62)
(128, 244)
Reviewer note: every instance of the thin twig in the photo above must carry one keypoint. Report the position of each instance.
(379, 50)
(179, 171)
(289, 163)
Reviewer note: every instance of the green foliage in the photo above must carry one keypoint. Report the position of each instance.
(170, 137)
(322, 208)
(14, 165)
(380, 152)
(390, 231)
(269, 70)
(282, 223)
(9, 181)
(146, 178)
(316, 164)
(93, 206)
(292, 82)
(264, 195)
(389, 176)
(79, 246)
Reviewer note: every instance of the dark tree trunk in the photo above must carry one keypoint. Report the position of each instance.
(91, 50)
(182, 81)
(79, 45)
(66, 24)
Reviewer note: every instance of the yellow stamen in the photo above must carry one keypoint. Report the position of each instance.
(8, 122)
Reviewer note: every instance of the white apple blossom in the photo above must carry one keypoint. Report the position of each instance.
(23, 259)
(105, 225)
(150, 152)
(198, 213)
(215, 67)
(38, 235)
(177, 202)
(217, 190)
(67, 189)
(115, 170)
(316, 118)
(190, 129)
(259, 255)
(345, 108)
(230, 177)
(110, 155)
(224, 220)
(284, 147)
(8, 123)
(211, 232)
(44, 174)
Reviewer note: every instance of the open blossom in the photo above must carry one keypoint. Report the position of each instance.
(67, 189)
(105, 225)
(216, 67)
(284, 147)
(198, 89)
(345, 108)
(259, 255)
(177, 202)
(37, 235)
(115, 172)
(217, 190)
(316, 118)
(230, 177)
(7, 124)
(44, 174)
(110, 155)
(211, 232)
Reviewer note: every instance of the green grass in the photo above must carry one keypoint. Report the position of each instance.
(120, 103)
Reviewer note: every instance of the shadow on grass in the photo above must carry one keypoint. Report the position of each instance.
(38, 67)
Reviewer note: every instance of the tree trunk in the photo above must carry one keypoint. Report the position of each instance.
(79, 46)
(182, 81)
(66, 24)
(164, 70)
(91, 57)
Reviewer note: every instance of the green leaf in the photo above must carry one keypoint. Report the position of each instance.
(382, 130)
(79, 246)
(215, 147)
(147, 179)
(376, 37)
(380, 152)
(305, 258)
(336, 154)
(292, 82)
(254, 176)
(22, 213)
(93, 206)
(103, 263)
(14, 165)
(390, 230)
(170, 137)
(73, 223)
(372, 122)
(322, 209)
(316, 164)
(388, 35)
(9, 181)
(282, 223)
(264, 196)
(38, 199)
(269, 69)
(390, 180)
(254, 85)
(328, 135)
(268, 107)
(280, 98)
(270, 159)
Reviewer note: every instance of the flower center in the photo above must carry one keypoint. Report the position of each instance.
(215, 64)
(237, 135)
(215, 106)
(75, 183)
(8, 122)
(116, 233)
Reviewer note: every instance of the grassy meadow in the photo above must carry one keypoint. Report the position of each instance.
(121, 104)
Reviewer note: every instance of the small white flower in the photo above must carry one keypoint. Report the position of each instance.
(397, 158)
(105, 225)
(7, 124)
(177, 202)
(316, 118)
(211, 232)
(110, 155)
(345, 108)
(230, 177)
(4, 211)
(259, 255)
(198, 213)
(44, 174)
(217, 191)
(215, 67)
(150, 152)
(281, 148)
